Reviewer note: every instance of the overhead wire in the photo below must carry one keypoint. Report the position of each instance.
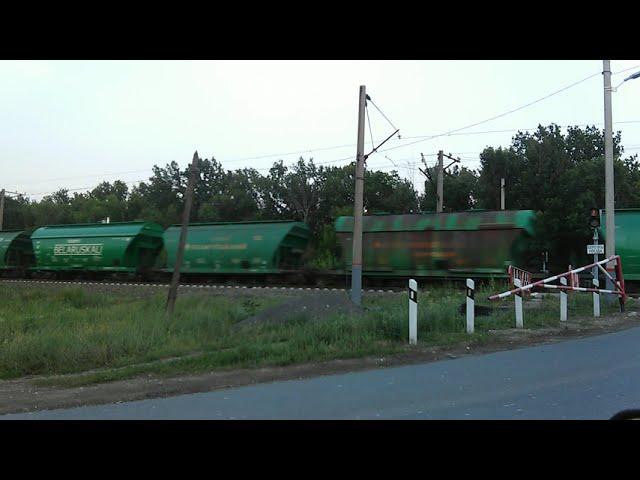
(495, 117)
(625, 70)
(350, 157)
(385, 117)
(366, 108)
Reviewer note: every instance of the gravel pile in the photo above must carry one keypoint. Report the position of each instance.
(304, 308)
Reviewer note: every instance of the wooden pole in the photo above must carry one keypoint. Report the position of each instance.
(440, 183)
(175, 278)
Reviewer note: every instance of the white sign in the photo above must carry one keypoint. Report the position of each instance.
(82, 249)
(595, 249)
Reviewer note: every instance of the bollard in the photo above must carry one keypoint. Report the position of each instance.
(563, 301)
(518, 298)
(413, 312)
(596, 298)
(470, 305)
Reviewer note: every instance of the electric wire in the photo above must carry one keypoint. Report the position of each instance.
(366, 108)
(385, 117)
(497, 116)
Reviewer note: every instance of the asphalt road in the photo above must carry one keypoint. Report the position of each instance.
(588, 378)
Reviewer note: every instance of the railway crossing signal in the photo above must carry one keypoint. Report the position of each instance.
(594, 218)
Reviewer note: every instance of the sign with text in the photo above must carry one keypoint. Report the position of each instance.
(595, 249)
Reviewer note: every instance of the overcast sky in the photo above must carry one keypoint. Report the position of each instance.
(73, 124)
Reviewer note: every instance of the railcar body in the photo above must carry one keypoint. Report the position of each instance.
(478, 243)
(16, 251)
(239, 248)
(128, 247)
(627, 239)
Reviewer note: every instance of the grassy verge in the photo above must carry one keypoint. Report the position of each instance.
(71, 331)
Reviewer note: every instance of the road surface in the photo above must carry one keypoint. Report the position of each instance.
(588, 378)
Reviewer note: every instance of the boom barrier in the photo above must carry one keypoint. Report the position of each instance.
(618, 282)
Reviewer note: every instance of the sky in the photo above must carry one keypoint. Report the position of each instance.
(73, 124)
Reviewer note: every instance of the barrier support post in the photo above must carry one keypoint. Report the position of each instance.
(413, 312)
(470, 305)
(563, 300)
(596, 298)
(518, 297)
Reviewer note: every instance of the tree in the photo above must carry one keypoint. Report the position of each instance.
(559, 177)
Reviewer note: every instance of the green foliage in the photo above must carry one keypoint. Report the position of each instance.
(44, 331)
(560, 176)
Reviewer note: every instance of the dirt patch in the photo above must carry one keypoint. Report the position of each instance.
(23, 395)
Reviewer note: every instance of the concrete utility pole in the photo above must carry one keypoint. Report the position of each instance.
(175, 278)
(440, 182)
(1, 209)
(610, 243)
(356, 263)
(502, 194)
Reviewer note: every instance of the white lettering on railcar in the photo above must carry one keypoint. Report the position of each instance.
(78, 249)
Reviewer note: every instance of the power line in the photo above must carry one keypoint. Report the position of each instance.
(350, 157)
(335, 147)
(499, 115)
(410, 167)
(523, 129)
(366, 108)
(625, 70)
(385, 117)
(85, 176)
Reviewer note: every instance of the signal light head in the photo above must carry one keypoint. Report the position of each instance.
(594, 218)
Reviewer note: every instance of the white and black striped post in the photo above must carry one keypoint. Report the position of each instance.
(596, 298)
(413, 312)
(518, 296)
(563, 300)
(470, 305)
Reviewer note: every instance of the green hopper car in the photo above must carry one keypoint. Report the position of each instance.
(16, 251)
(627, 239)
(239, 247)
(482, 243)
(128, 247)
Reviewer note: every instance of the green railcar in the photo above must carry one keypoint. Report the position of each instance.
(627, 222)
(239, 247)
(479, 243)
(16, 251)
(128, 247)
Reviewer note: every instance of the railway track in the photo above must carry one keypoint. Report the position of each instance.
(252, 288)
(633, 289)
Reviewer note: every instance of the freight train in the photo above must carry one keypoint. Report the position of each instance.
(479, 244)
(427, 245)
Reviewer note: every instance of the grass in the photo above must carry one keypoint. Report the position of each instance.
(45, 332)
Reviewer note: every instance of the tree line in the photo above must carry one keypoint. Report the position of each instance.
(558, 175)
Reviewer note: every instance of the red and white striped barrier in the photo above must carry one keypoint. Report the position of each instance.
(574, 279)
(572, 274)
(522, 275)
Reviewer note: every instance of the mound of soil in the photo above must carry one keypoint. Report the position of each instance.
(305, 307)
